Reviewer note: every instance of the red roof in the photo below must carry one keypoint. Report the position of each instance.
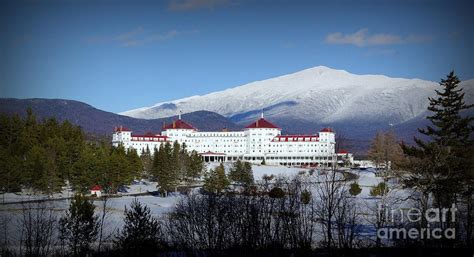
(120, 128)
(327, 130)
(178, 124)
(262, 123)
(343, 152)
(96, 188)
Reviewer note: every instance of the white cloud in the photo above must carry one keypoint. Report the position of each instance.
(128, 42)
(189, 5)
(139, 36)
(357, 38)
(362, 38)
(130, 34)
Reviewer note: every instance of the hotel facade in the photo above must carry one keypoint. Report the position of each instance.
(259, 141)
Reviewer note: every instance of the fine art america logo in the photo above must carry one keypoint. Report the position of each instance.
(432, 217)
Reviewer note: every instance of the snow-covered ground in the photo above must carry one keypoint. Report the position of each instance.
(260, 170)
(162, 205)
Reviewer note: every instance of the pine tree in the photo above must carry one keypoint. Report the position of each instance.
(103, 177)
(216, 181)
(39, 155)
(355, 189)
(162, 168)
(177, 165)
(236, 171)
(135, 164)
(140, 235)
(439, 165)
(379, 190)
(35, 169)
(241, 173)
(79, 227)
(195, 166)
(147, 160)
(248, 174)
(84, 170)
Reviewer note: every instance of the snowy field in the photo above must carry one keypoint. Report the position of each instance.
(10, 214)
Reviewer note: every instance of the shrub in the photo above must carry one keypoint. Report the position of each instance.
(355, 189)
(380, 190)
(276, 192)
(305, 197)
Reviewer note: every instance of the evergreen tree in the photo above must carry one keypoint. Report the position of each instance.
(177, 165)
(195, 166)
(241, 173)
(79, 227)
(162, 168)
(44, 155)
(37, 167)
(84, 170)
(103, 177)
(355, 189)
(118, 167)
(134, 163)
(379, 190)
(442, 166)
(10, 176)
(140, 235)
(248, 174)
(147, 160)
(216, 181)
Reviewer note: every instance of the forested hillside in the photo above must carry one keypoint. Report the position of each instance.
(43, 155)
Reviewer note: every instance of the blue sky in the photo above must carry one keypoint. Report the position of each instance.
(120, 55)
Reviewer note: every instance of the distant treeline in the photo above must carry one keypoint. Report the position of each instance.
(46, 155)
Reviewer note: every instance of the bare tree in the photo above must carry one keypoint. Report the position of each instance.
(385, 151)
(347, 219)
(103, 215)
(37, 229)
(278, 216)
(330, 194)
(4, 227)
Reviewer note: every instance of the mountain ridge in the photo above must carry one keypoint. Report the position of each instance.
(316, 97)
(100, 122)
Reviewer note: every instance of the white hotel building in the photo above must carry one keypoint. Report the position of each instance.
(258, 141)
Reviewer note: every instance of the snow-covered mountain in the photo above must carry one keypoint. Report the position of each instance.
(314, 97)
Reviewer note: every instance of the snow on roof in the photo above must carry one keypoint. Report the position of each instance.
(261, 123)
(178, 124)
